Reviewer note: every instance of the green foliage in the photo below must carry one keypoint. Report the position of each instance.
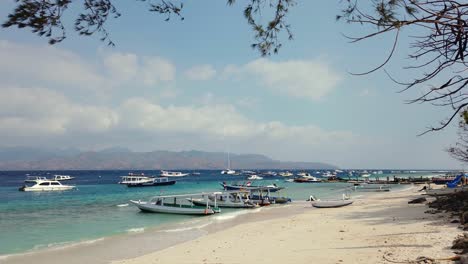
(44, 17)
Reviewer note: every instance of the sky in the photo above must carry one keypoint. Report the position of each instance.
(197, 84)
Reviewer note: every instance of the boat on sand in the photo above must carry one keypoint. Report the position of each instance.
(330, 203)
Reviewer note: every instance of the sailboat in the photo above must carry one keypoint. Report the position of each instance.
(228, 170)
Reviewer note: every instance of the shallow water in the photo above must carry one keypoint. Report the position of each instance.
(99, 207)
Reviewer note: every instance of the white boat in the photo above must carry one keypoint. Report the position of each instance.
(236, 199)
(330, 203)
(176, 204)
(328, 174)
(44, 185)
(255, 177)
(58, 177)
(133, 180)
(228, 171)
(173, 174)
(33, 179)
(306, 177)
(286, 174)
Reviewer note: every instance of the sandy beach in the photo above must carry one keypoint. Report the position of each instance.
(378, 225)
(361, 233)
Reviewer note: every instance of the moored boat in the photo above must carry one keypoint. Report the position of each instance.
(58, 177)
(133, 180)
(44, 185)
(33, 179)
(286, 174)
(248, 186)
(307, 178)
(234, 199)
(254, 177)
(176, 204)
(173, 174)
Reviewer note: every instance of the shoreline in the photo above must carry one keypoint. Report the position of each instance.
(121, 246)
(374, 227)
(175, 242)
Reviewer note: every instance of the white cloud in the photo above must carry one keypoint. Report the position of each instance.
(122, 66)
(200, 72)
(297, 78)
(34, 111)
(48, 64)
(217, 120)
(155, 69)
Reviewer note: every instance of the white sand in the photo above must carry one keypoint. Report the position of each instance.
(360, 233)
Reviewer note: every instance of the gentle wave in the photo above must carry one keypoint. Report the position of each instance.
(63, 245)
(122, 205)
(186, 228)
(232, 215)
(135, 230)
(52, 246)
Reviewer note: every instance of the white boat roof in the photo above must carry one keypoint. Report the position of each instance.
(182, 195)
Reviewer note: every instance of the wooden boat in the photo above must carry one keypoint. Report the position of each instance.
(234, 199)
(248, 186)
(176, 204)
(263, 194)
(330, 203)
(133, 180)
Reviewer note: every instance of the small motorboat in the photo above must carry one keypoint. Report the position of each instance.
(255, 177)
(330, 203)
(286, 174)
(307, 179)
(42, 185)
(173, 174)
(58, 177)
(133, 180)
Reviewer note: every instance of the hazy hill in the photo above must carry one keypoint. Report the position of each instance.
(121, 158)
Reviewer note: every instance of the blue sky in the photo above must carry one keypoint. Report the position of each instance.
(197, 84)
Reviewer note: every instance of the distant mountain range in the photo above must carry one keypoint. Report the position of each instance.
(23, 158)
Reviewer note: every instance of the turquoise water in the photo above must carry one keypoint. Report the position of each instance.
(31, 221)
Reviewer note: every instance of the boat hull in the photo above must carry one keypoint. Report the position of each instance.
(331, 203)
(307, 181)
(151, 184)
(165, 209)
(202, 202)
(247, 188)
(46, 189)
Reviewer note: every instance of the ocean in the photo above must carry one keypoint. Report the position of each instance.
(99, 207)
